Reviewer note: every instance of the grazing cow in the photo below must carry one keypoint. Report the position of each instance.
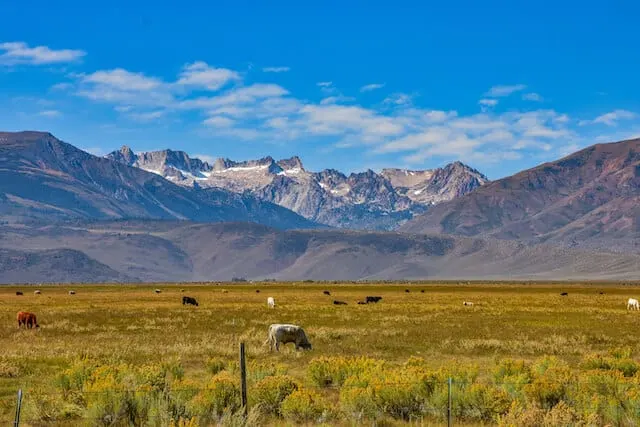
(72, 292)
(189, 300)
(157, 291)
(181, 290)
(336, 302)
(422, 291)
(564, 294)
(407, 290)
(257, 291)
(19, 293)
(467, 303)
(283, 334)
(362, 302)
(271, 302)
(601, 293)
(326, 292)
(633, 304)
(372, 299)
(27, 319)
(37, 292)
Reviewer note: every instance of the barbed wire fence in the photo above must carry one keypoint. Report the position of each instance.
(446, 413)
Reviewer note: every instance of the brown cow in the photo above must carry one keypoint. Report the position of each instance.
(27, 319)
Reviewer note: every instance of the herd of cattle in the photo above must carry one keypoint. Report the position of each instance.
(277, 333)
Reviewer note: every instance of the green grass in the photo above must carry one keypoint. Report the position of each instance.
(133, 325)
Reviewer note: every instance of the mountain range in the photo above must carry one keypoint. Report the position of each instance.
(66, 215)
(365, 200)
(589, 199)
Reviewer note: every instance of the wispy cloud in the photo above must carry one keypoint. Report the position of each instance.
(276, 69)
(201, 74)
(50, 113)
(324, 84)
(16, 53)
(532, 96)
(504, 90)
(61, 86)
(372, 86)
(219, 122)
(337, 99)
(487, 103)
(398, 99)
(612, 118)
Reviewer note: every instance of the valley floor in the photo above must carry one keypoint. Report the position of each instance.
(121, 327)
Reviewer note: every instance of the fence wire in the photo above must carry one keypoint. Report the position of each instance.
(619, 406)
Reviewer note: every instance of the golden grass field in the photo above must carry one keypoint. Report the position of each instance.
(131, 325)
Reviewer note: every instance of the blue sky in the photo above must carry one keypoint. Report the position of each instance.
(348, 85)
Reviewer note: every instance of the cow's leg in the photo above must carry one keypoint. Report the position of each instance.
(277, 346)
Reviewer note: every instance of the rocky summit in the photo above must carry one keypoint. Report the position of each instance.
(365, 200)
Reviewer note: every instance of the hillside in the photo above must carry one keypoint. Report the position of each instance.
(590, 198)
(42, 177)
(179, 251)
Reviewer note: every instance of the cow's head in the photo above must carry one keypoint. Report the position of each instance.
(305, 345)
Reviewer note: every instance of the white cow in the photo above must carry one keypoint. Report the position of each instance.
(467, 303)
(633, 304)
(271, 302)
(283, 334)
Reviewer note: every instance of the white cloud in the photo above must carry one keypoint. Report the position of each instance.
(219, 122)
(16, 53)
(488, 102)
(121, 79)
(372, 86)
(612, 118)
(532, 96)
(201, 74)
(50, 113)
(276, 69)
(324, 84)
(398, 99)
(337, 99)
(504, 90)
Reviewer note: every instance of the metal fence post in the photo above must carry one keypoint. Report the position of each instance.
(16, 421)
(449, 421)
(243, 379)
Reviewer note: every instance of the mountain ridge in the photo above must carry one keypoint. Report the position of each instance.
(588, 198)
(360, 200)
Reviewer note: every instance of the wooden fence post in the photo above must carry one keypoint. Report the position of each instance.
(243, 379)
(16, 421)
(449, 421)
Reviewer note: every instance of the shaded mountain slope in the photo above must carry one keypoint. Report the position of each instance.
(589, 198)
(43, 177)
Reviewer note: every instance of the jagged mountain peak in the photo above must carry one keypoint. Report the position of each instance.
(363, 199)
(292, 163)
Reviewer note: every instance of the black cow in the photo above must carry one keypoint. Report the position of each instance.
(189, 300)
(336, 302)
(407, 290)
(362, 302)
(257, 291)
(19, 293)
(422, 291)
(326, 292)
(564, 294)
(372, 299)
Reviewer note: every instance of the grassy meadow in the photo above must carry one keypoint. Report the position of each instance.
(515, 344)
